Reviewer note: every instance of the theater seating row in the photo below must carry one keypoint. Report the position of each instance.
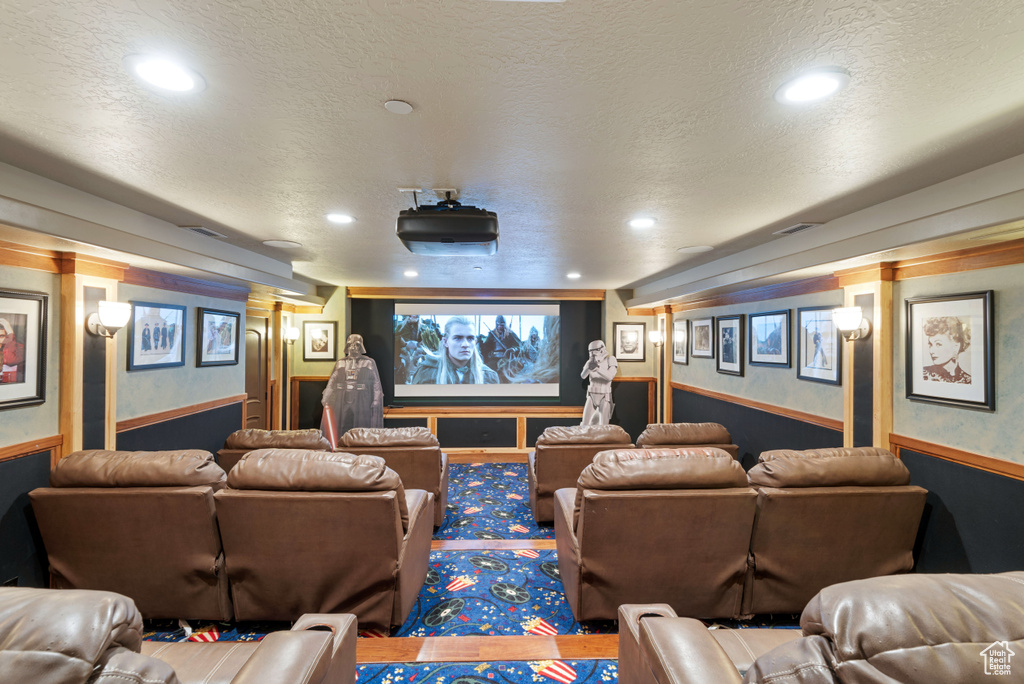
(95, 637)
(689, 528)
(287, 532)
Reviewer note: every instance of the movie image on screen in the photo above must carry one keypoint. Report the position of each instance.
(447, 350)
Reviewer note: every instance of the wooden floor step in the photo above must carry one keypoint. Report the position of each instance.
(487, 648)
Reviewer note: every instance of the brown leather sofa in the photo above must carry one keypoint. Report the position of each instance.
(561, 454)
(668, 525)
(685, 435)
(911, 629)
(241, 442)
(826, 516)
(323, 532)
(142, 524)
(50, 636)
(412, 452)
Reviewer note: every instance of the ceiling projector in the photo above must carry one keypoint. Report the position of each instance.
(448, 229)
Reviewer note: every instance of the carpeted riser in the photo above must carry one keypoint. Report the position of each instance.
(489, 501)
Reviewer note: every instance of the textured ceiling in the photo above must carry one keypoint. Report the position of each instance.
(566, 119)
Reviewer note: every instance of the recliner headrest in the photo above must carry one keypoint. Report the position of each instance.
(693, 468)
(103, 468)
(254, 438)
(834, 467)
(583, 434)
(388, 437)
(684, 433)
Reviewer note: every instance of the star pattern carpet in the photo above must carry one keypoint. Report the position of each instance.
(489, 501)
(548, 671)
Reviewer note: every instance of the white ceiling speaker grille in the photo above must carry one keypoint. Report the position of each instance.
(798, 228)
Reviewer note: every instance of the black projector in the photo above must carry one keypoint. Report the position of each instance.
(448, 229)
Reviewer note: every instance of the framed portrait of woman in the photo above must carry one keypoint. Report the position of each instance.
(949, 357)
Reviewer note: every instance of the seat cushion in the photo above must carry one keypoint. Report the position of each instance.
(255, 438)
(103, 468)
(683, 433)
(583, 434)
(837, 467)
(387, 437)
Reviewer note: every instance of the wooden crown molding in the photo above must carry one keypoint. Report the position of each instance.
(22, 256)
(179, 283)
(970, 259)
(455, 293)
(882, 271)
(98, 267)
(989, 464)
(822, 421)
(760, 294)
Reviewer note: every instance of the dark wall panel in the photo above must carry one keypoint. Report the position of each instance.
(404, 422)
(863, 378)
(535, 426)
(94, 377)
(309, 394)
(206, 430)
(973, 520)
(476, 432)
(22, 555)
(580, 324)
(631, 407)
(753, 430)
(374, 319)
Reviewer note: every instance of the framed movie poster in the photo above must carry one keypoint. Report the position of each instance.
(156, 334)
(769, 339)
(680, 341)
(319, 340)
(217, 338)
(22, 348)
(818, 348)
(630, 341)
(701, 336)
(729, 343)
(950, 356)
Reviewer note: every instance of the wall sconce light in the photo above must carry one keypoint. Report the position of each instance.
(291, 334)
(851, 322)
(655, 337)
(111, 317)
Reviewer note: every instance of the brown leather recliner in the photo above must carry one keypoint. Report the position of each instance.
(669, 525)
(412, 452)
(826, 516)
(241, 442)
(51, 636)
(140, 523)
(561, 454)
(685, 435)
(323, 532)
(911, 629)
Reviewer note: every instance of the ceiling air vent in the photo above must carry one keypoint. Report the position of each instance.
(798, 228)
(204, 231)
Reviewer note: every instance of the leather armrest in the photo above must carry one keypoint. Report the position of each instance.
(565, 504)
(630, 614)
(295, 657)
(682, 651)
(343, 654)
(632, 667)
(420, 502)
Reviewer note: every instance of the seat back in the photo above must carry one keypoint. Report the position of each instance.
(241, 442)
(684, 435)
(141, 524)
(826, 516)
(312, 532)
(668, 526)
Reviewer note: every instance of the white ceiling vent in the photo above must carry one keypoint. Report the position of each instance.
(798, 228)
(204, 231)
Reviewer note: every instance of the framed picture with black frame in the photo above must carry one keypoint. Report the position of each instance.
(680, 341)
(22, 348)
(319, 340)
(217, 338)
(729, 344)
(950, 357)
(819, 352)
(768, 337)
(702, 338)
(630, 341)
(156, 336)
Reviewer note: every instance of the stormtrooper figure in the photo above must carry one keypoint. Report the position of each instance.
(601, 368)
(353, 397)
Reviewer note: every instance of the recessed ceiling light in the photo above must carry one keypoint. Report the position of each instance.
(410, 274)
(398, 107)
(340, 218)
(813, 86)
(282, 244)
(642, 222)
(164, 73)
(573, 276)
(478, 268)
(695, 249)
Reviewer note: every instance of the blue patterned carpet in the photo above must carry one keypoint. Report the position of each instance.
(566, 671)
(489, 501)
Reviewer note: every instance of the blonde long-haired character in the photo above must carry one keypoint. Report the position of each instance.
(458, 361)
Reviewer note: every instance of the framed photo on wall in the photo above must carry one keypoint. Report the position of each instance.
(630, 341)
(729, 344)
(950, 356)
(769, 339)
(217, 338)
(319, 340)
(702, 338)
(22, 348)
(680, 341)
(818, 349)
(156, 334)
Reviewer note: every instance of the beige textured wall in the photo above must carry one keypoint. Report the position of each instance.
(615, 312)
(22, 424)
(778, 386)
(336, 309)
(991, 434)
